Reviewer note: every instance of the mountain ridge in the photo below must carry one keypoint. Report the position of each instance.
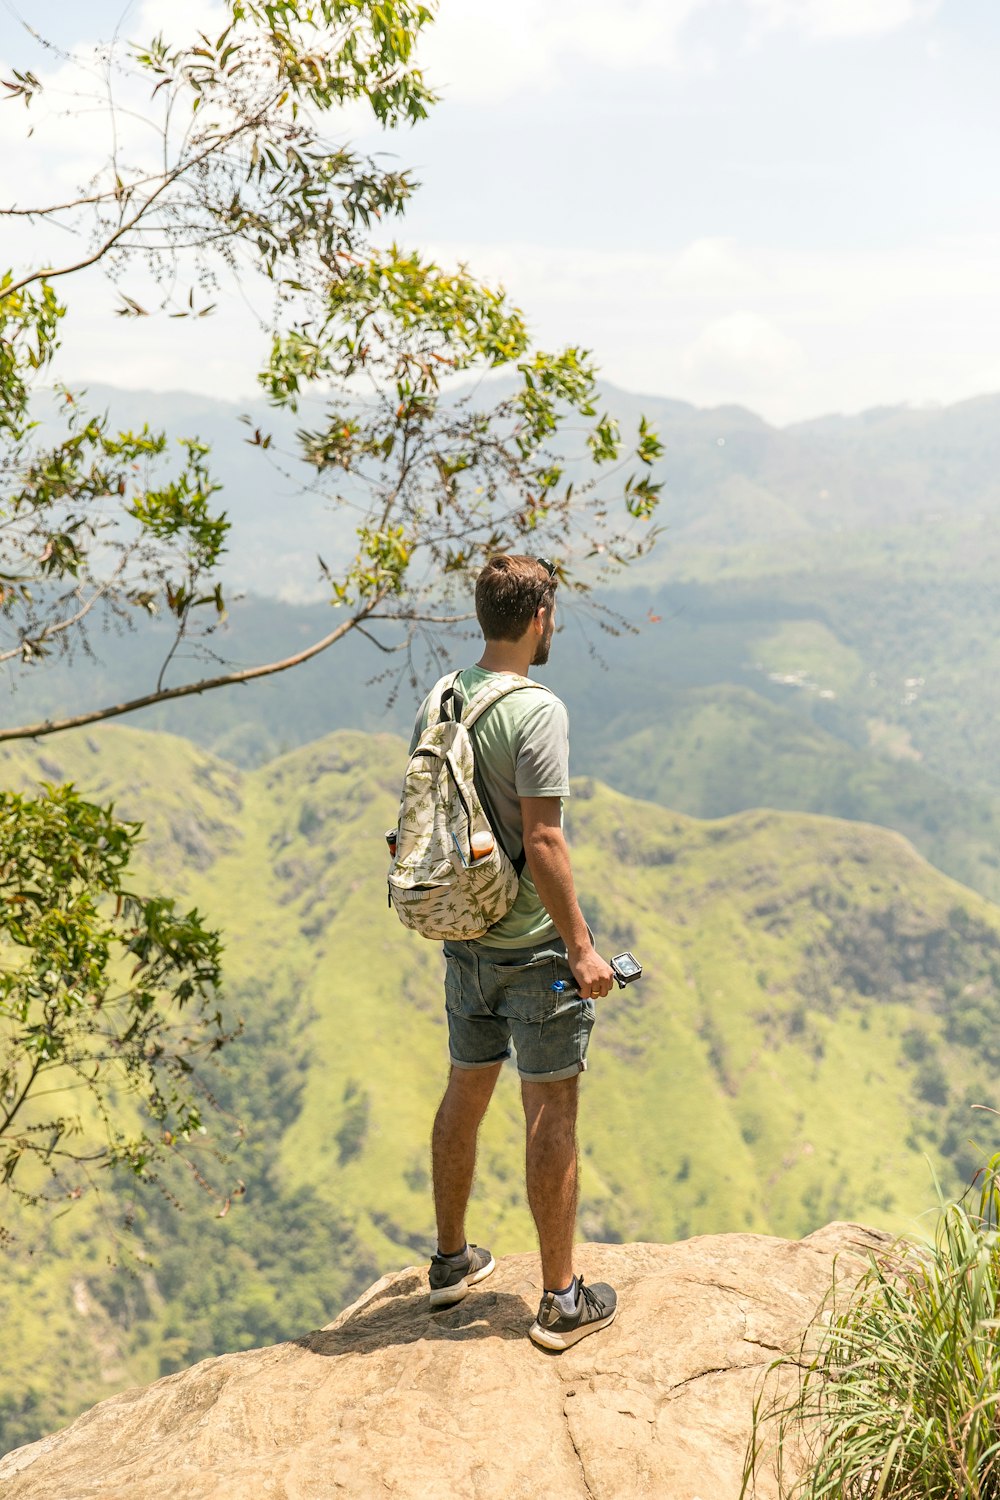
(730, 478)
(817, 1013)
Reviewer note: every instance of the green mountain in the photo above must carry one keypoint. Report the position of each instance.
(739, 695)
(842, 570)
(819, 1011)
(917, 478)
(716, 750)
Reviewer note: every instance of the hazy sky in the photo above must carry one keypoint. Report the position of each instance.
(786, 203)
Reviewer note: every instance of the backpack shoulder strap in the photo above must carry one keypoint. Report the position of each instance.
(492, 692)
(488, 694)
(443, 702)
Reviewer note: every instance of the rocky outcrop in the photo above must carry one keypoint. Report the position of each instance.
(392, 1400)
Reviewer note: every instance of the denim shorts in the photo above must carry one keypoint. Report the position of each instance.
(528, 994)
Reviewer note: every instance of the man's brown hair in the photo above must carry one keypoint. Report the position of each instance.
(508, 592)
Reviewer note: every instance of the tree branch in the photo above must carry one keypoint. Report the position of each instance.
(49, 273)
(58, 208)
(389, 650)
(15, 1108)
(48, 631)
(419, 619)
(249, 674)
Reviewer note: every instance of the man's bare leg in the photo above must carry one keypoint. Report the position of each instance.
(453, 1149)
(551, 1172)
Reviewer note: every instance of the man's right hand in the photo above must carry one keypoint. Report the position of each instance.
(548, 865)
(593, 976)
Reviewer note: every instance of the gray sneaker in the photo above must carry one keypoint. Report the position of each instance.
(450, 1283)
(595, 1308)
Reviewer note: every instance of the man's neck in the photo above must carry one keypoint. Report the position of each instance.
(506, 656)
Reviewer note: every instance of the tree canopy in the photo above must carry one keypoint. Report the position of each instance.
(225, 162)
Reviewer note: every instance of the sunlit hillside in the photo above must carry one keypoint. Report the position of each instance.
(817, 1013)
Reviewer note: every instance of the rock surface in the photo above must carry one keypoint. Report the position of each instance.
(393, 1400)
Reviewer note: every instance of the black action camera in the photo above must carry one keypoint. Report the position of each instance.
(626, 968)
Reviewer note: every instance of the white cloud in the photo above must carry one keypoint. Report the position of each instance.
(219, 355)
(843, 18)
(716, 266)
(178, 20)
(791, 334)
(481, 52)
(720, 319)
(741, 350)
(788, 334)
(52, 150)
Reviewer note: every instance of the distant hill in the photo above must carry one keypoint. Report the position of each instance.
(891, 466)
(718, 749)
(281, 520)
(738, 696)
(820, 1009)
(823, 696)
(845, 569)
(737, 492)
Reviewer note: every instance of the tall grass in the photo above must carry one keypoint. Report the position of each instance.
(898, 1395)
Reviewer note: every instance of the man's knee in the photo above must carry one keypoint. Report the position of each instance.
(470, 1089)
(550, 1104)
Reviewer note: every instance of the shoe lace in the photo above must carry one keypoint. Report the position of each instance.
(590, 1298)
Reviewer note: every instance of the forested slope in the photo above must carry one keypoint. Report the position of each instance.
(819, 1009)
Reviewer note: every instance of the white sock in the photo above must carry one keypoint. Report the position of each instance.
(457, 1258)
(566, 1301)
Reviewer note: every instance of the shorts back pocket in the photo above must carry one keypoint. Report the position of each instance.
(525, 991)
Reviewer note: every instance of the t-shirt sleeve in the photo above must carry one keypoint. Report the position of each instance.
(541, 762)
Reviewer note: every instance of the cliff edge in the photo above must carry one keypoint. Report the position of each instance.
(392, 1400)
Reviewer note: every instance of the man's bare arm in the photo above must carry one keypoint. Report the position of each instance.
(548, 863)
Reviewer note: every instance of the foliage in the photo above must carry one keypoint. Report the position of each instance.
(222, 164)
(105, 996)
(284, 1258)
(246, 180)
(278, 1260)
(760, 1110)
(901, 1397)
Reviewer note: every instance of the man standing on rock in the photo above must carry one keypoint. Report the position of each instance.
(532, 978)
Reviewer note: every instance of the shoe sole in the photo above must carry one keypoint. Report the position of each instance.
(546, 1339)
(447, 1296)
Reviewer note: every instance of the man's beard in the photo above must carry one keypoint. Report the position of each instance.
(541, 655)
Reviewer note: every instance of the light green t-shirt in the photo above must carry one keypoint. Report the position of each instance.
(522, 750)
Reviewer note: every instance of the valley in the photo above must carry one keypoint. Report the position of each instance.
(786, 800)
(809, 1040)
